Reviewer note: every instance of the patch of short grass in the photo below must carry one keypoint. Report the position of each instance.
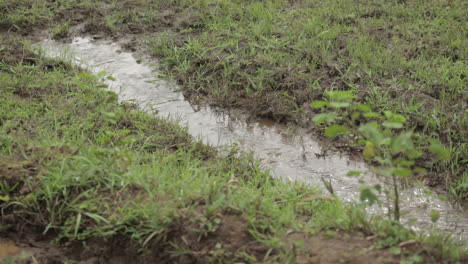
(61, 30)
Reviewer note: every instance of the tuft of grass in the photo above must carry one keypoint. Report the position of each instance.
(61, 30)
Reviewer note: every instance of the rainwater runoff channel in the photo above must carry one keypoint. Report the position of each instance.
(289, 155)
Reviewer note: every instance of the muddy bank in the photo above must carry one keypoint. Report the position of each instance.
(30, 248)
(291, 153)
(320, 248)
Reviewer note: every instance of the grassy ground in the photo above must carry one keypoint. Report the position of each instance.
(275, 57)
(78, 165)
(109, 182)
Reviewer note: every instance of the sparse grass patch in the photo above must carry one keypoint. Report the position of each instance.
(61, 30)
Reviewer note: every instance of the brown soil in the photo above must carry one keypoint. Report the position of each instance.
(29, 247)
(351, 249)
(222, 246)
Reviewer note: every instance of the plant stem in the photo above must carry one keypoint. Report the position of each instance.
(396, 210)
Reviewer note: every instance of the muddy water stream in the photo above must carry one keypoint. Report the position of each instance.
(290, 154)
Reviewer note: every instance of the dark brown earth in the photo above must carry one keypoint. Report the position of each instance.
(221, 246)
(352, 249)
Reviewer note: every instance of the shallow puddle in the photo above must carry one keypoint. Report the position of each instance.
(290, 154)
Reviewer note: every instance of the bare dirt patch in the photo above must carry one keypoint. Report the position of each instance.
(224, 244)
(30, 247)
(352, 249)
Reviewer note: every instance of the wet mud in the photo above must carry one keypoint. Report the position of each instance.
(290, 153)
(8, 248)
(29, 249)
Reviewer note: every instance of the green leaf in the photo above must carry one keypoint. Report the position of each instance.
(355, 115)
(368, 195)
(394, 125)
(437, 148)
(372, 115)
(126, 132)
(372, 132)
(335, 130)
(401, 143)
(86, 75)
(413, 153)
(342, 96)
(97, 218)
(416, 259)
(77, 224)
(110, 115)
(385, 172)
(392, 117)
(338, 104)
(398, 118)
(395, 250)
(148, 239)
(363, 108)
(324, 118)
(318, 104)
(101, 74)
(354, 173)
(420, 170)
(385, 141)
(402, 172)
(110, 78)
(404, 162)
(435, 215)
(369, 151)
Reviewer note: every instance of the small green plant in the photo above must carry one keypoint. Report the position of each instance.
(61, 30)
(112, 21)
(386, 144)
(412, 260)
